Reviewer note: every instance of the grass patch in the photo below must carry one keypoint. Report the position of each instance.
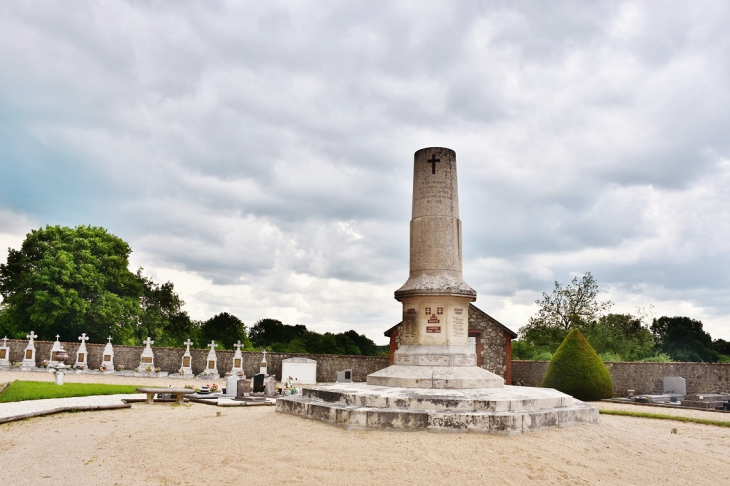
(660, 416)
(36, 390)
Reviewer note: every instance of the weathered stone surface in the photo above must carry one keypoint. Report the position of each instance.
(436, 377)
(504, 411)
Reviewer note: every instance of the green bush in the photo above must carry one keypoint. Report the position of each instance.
(577, 370)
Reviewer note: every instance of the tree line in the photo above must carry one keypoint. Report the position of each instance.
(67, 281)
(615, 337)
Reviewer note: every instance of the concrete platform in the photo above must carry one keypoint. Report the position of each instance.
(435, 377)
(509, 410)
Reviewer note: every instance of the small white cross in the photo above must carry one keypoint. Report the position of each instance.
(31, 336)
(238, 345)
(5, 341)
(264, 355)
(148, 341)
(110, 339)
(57, 336)
(212, 345)
(188, 343)
(83, 338)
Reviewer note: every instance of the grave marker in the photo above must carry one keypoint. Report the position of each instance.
(29, 354)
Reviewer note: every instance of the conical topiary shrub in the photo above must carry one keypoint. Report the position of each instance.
(577, 370)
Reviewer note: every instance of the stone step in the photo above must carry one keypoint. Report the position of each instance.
(484, 421)
(466, 401)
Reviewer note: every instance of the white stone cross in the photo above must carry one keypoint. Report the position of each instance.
(5, 341)
(188, 343)
(264, 355)
(83, 338)
(212, 345)
(57, 337)
(31, 336)
(110, 339)
(238, 345)
(148, 341)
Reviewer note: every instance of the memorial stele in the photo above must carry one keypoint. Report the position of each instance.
(435, 383)
(434, 349)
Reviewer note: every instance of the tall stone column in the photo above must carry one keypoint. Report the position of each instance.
(434, 335)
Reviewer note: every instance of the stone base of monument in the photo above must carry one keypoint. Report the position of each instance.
(508, 410)
(441, 377)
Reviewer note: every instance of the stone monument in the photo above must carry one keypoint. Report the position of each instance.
(264, 365)
(237, 360)
(147, 359)
(5, 353)
(81, 354)
(186, 366)
(211, 362)
(434, 350)
(29, 353)
(107, 360)
(435, 383)
(56, 350)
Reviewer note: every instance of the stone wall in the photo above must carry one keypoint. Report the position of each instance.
(170, 359)
(642, 377)
(494, 357)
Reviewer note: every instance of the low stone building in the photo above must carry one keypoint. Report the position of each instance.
(492, 342)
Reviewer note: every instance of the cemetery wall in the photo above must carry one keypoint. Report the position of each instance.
(170, 359)
(642, 377)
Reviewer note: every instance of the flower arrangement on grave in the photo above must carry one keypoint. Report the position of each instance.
(181, 371)
(120, 367)
(228, 373)
(44, 363)
(158, 369)
(80, 367)
(148, 369)
(15, 364)
(189, 387)
(241, 373)
(102, 368)
(214, 388)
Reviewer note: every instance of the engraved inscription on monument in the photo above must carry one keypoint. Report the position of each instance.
(186, 361)
(146, 359)
(236, 363)
(28, 354)
(410, 324)
(107, 357)
(458, 324)
(2, 353)
(433, 360)
(404, 359)
(433, 329)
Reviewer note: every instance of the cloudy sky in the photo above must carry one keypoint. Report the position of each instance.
(259, 154)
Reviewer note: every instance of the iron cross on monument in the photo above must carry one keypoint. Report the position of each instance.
(433, 160)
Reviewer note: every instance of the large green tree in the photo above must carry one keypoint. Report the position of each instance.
(683, 339)
(226, 330)
(67, 281)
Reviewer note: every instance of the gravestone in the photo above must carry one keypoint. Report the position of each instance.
(243, 389)
(303, 371)
(5, 353)
(344, 376)
(29, 353)
(107, 358)
(237, 360)
(56, 350)
(81, 354)
(675, 385)
(232, 385)
(263, 368)
(147, 359)
(271, 386)
(258, 383)
(186, 367)
(211, 362)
